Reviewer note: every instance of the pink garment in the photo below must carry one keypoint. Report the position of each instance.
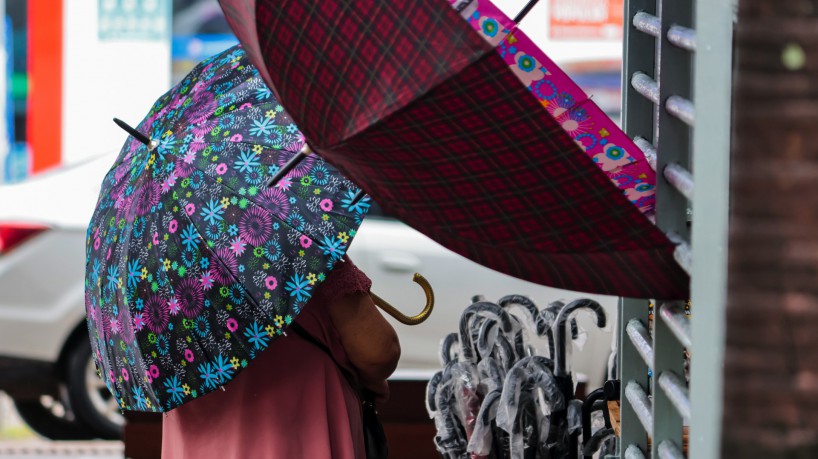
(292, 401)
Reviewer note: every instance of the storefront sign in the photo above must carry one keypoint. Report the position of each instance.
(134, 19)
(586, 19)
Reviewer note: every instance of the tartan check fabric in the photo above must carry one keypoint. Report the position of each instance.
(350, 64)
(436, 128)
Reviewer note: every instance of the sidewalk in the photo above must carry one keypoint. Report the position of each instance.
(41, 449)
(11, 426)
(18, 441)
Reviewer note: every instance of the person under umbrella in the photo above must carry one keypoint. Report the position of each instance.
(293, 401)
(195, 267)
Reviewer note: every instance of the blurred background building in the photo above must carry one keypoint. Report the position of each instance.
(68, 66)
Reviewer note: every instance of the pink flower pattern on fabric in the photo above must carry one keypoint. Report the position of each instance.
(601, 139)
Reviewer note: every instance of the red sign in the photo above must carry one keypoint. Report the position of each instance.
(586, 19)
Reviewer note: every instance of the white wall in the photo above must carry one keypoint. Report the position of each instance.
(103, 79)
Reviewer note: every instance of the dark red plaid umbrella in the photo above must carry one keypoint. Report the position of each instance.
(423, 112)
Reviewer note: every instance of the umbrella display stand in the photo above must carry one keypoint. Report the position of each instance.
(612, 413)
(613, 409)
(497, 396)
(677, 89)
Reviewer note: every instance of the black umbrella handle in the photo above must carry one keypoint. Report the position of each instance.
(431, 391)
(562, 318)
(587, 408)
(446, 346)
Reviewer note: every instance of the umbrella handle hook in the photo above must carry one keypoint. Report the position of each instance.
(402, 318)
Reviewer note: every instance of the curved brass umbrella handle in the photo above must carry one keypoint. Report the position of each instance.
(402, 318)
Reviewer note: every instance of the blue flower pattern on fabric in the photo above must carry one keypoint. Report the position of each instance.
(194, 264)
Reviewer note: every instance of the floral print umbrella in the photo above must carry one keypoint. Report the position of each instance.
(194, 265)
(591, 129)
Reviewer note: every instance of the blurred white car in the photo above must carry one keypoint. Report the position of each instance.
(45, 362)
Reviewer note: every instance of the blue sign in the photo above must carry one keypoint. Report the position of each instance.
(134, 19)
(17, 163)
(199, 47)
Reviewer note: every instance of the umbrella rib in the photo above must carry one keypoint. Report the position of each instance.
(196, 339)
(485, 50)
(249, 297)
(187, 217)
(358, 196)
(576, 105)
(261, 107)
(226, 140)
(242, 142)
(124, 265)
(291, 163)
(250, 199)
(341, 71)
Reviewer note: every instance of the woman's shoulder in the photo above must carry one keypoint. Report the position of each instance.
(344, 279)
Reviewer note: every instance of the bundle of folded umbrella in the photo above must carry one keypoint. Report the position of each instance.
(497, 397)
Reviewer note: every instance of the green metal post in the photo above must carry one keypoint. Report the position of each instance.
(639, 55)
(711, 163)
(631, 368)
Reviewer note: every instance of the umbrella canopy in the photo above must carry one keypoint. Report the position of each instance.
(194, 265)
(467, 133)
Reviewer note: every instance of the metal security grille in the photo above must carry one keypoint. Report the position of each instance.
(677, 71)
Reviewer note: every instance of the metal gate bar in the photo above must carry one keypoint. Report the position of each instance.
(711, 163)
(661, 48)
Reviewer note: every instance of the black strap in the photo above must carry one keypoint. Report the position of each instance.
(351, 379)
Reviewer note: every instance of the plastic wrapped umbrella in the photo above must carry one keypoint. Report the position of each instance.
(462, 128)
(527, 406)
(492, 373)
(568, 423)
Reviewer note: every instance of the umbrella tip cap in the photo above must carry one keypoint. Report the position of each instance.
(133, 132)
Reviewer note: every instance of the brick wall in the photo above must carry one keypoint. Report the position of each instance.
(771, 360)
